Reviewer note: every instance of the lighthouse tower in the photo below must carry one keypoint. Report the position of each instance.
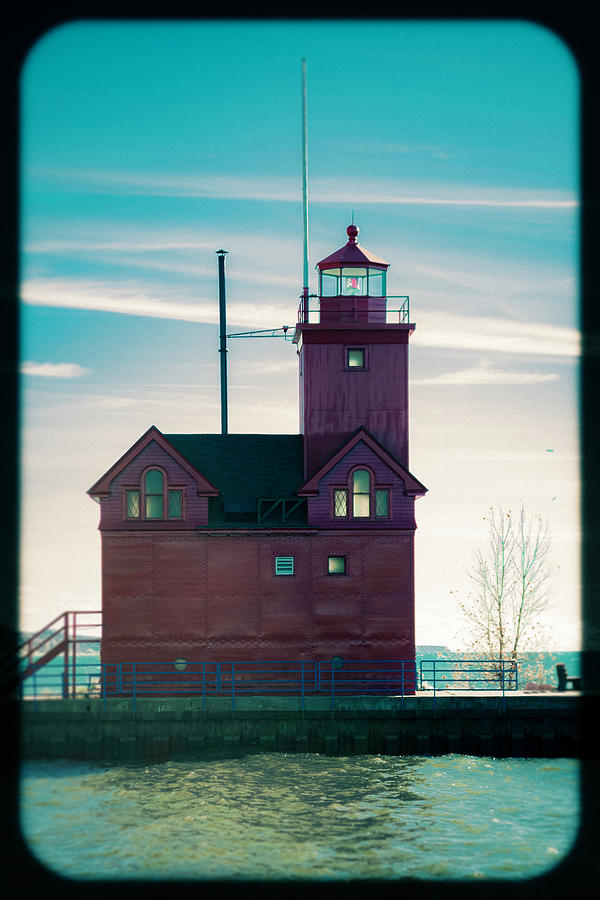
(353, 356)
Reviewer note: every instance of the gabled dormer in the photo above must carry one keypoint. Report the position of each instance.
(361, 486)
(152, 486)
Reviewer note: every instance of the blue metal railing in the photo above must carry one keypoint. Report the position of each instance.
(388, 677)
(231, 678)
(469, 674)
(332, 678)
(238, 678)
(53, 682)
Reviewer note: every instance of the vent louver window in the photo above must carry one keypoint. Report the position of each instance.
(284, 565)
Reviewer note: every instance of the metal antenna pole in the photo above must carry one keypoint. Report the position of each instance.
(223, 339)
(304, 196)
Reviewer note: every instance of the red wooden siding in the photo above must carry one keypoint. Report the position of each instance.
(208, 596)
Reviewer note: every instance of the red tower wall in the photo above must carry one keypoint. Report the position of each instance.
(336, 400)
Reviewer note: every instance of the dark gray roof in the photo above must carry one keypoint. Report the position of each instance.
(244, 468)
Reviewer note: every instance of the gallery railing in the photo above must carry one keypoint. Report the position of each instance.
(390, 310)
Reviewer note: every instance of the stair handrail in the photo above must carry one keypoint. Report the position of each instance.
(32, 647)
(23, 652)
(13, 660)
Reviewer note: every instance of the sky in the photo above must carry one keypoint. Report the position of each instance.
(147, 146)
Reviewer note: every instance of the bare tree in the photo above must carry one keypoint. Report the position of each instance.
(533, 571)
(511, 574)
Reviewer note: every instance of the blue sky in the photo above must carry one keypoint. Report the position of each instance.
(147, 146)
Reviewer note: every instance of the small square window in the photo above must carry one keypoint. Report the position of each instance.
(284, 565)
(336, 565)
(355, 358)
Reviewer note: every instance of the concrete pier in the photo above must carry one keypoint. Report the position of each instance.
(520, 724)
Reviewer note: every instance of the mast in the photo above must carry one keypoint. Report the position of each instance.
(223, 339)
(304, 196)
(269, 332)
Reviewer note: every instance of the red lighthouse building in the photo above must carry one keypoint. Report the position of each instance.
(221, 547)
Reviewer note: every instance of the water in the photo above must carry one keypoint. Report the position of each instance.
(302, 816)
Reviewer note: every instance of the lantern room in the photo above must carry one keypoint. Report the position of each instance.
(352, 284)
(352, 271)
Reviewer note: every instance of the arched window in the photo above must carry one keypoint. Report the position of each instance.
(361, 498)
(152, 499)
(154, 494)
(361, 494)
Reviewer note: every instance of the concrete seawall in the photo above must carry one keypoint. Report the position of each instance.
(157, 729)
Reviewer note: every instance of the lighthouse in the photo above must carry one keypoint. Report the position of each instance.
(353, 356)
(259, 547)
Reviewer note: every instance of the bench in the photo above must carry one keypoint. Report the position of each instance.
(564, 679)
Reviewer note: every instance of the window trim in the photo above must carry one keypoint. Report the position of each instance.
(146, 494)
(348, 487)
(181, 492)
(388, 491)
(342, 556)
(347, 367)
(334, 489)
(355, 493)
(167, 488)
(134, 489)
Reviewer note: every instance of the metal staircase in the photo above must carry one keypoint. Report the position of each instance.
(65, 635)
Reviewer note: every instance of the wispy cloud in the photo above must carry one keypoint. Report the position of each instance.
(485, 374)
(435, 329)
(444, 330)
(260, 367)
(169, 251)
(520, 455)
(134, 299)
(126, 242)
(393, 148)
(53, 370)
(323, 190)
(126, 299)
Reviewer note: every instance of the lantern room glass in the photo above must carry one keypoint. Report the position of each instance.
(352, 281)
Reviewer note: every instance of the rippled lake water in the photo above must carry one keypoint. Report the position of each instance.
(302, 816)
